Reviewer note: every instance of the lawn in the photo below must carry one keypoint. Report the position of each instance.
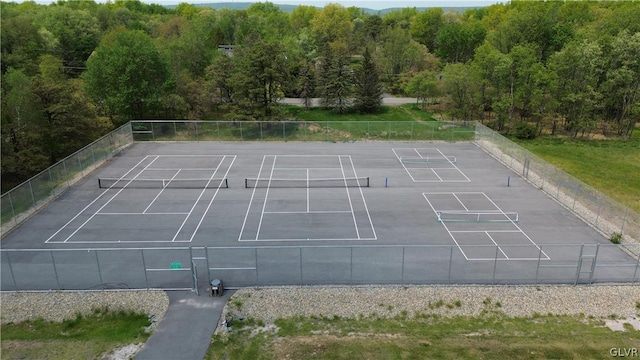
(85, 337)
(492, 336)
(611, 166)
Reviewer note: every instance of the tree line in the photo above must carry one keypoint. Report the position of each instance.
(73, 70)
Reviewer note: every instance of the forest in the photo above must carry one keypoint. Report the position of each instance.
(74, 70)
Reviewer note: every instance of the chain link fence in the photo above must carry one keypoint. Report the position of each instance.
(179, 130)
(19, 203)
(596, 209)
(194, 267)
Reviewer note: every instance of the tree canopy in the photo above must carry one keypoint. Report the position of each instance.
(72, 70)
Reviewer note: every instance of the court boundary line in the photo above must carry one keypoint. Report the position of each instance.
(498, 210)
(145, 213)
(408, 171)
(308, 211)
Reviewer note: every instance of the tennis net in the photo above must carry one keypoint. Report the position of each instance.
(428, 160)
(477, 216)
(113, 183)
(306, 183)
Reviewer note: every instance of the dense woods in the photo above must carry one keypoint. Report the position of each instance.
(72, 71)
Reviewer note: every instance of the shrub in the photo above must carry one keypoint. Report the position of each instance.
(616, 238)
(525, 131)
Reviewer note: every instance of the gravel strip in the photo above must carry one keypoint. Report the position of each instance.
(58, 306)
(271, 303)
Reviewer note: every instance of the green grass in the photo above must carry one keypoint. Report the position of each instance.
(423, 337)
(611, 166)
(85, 337)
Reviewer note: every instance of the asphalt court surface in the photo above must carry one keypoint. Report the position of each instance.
(306, 196)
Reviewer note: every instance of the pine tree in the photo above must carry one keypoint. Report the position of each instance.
(335, 79)
(368, 89)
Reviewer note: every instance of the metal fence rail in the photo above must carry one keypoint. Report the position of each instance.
(194, 267)
(185, 130)
(595, 208)
(25, 199)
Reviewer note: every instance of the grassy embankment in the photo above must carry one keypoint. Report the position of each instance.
(492, 336)
(85, 337)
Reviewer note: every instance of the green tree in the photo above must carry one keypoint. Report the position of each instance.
(460, 82)
(335, 78)
(22, 155)
(368, 89)
(622, 85)
(423, 86)
(426, 25)
(258, 79)
(127, 77)
(578, 67)
(69, 121)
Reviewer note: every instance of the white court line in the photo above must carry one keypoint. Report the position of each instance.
(185, 169)
(200, 196)
(161, 191)
(316, 239)
(460, 201)
(445, 226)
(91, 203)
(127, 213)
(492, 231)
(108, 201)
(417, 152)
(375, 237)
(353, 214)
(310, 212)
(301, 168)
(244, 223)
(436, 174)
(401, 163)
(518, 227)
(454, 165)
(266, 196)
(219, 155)
(212, 198)
(496, 244)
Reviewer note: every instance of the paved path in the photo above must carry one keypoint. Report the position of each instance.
(186, 329)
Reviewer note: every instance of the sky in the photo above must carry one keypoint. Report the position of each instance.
(371, 4)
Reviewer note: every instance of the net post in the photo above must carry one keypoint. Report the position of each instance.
(99, 183)
(367, 181)
(246, 183)
(226, 183)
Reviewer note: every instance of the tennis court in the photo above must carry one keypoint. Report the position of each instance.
(306, 212)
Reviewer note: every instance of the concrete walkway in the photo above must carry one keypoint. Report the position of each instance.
(186, 329)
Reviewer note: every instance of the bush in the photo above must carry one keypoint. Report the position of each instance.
(525, 131)
(616, 238)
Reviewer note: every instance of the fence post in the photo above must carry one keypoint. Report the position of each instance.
(495, 265)
(538, 266)
(194, 276)
(255, 252)
(98, 263)
(13, 210)
(351, 266)
(579, 265)
(55, 271)
(593, 264)
(450, 262)
(197, 135)
(402, 272)
(301, 277)
(635, 272)
(33, 198)
(206, 259)
(153, 135)
(624, 220)
(144, 268)
(15, 285)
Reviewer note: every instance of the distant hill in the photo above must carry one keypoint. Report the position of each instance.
(290, 8)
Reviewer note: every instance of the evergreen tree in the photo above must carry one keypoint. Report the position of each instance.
(368, 89)
(335, 79)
